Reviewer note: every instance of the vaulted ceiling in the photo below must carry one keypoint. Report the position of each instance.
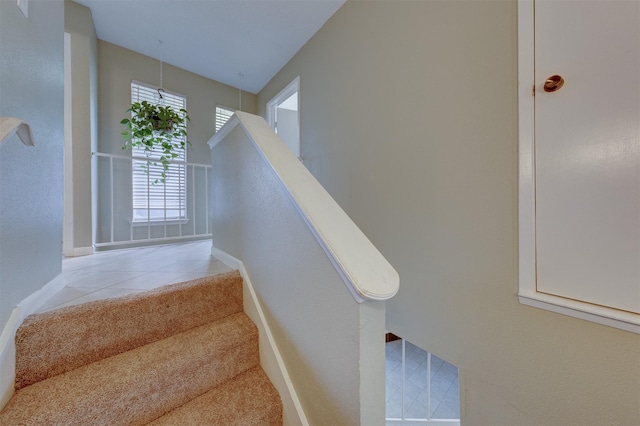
(242, 43)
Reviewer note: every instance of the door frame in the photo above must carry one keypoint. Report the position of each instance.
(68, 244)
(284, 94)
(526, 135)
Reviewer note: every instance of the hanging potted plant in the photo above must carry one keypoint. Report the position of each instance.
(158, 130)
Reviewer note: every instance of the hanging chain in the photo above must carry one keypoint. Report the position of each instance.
(161, 88)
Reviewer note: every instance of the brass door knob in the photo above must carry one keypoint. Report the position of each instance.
(553, 83)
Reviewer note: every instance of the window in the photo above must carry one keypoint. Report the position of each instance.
(158, 202)
(223, 114)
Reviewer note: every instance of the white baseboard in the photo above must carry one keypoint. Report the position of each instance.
(7, 339)
(79, 251)
(270, 359)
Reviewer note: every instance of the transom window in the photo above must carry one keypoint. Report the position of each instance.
(223, 114)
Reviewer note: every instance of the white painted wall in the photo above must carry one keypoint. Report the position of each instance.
(31, 88)
(288, 129)
(409, 119)
(84, 87)
(332, 346)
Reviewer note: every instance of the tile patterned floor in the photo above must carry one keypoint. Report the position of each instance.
(445, 390)
(115, 273)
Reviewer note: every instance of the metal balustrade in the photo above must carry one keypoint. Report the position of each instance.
(113, 215)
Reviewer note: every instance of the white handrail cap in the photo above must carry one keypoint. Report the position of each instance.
(11, 125)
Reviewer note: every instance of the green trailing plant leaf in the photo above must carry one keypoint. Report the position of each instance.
(156, 128)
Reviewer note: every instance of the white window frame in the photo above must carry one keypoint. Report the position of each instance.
(528, 294)
(159, 203)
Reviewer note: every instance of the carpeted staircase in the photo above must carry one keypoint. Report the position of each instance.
(183, 354)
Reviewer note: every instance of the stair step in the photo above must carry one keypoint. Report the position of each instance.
(246, 400)
(140, 385)
(59, 341)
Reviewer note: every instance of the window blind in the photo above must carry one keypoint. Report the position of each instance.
(158, 201)
(223, 115)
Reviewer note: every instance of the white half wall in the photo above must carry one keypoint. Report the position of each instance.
(332, 346)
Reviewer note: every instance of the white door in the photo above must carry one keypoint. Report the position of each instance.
(587, 151)
(284, 115)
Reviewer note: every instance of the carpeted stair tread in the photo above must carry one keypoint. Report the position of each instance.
(59, 341)
(248, 399)
(140, 385)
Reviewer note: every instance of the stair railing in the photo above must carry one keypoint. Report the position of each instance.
(115, 223)
(318, 279)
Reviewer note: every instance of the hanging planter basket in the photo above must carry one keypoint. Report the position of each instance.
(160, 125)
(157, 129)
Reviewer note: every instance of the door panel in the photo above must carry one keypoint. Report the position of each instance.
(587, 151)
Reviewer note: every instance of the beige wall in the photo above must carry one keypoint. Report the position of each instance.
(118, 66)
(409, 119)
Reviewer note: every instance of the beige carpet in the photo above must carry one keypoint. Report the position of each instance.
(186, 347)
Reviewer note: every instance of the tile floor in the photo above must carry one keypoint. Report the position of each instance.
(445, 390)
(118, 272)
